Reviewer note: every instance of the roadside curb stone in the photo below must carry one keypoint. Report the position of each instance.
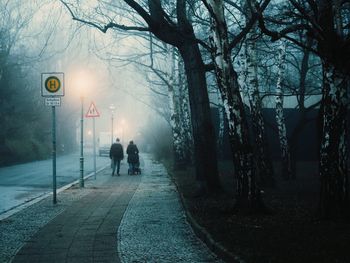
(204, 235)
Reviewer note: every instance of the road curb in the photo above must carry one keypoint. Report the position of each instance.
(204, 235)
(36, 199)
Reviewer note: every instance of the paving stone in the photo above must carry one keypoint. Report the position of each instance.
(154, 227)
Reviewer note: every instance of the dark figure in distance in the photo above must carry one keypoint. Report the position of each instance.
(133, 157)
(116, 154)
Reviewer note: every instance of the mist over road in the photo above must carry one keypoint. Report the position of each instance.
(23, 182)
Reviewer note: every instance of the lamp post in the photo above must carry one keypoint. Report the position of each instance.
(82, 81)
(81, 179)
(112, 108)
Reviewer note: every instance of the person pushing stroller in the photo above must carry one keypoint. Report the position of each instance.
(133, 158)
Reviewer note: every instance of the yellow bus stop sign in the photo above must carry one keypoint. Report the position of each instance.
(52, 84)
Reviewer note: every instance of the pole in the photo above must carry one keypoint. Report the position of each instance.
(94, 138)
(54, 155)
(81, 179)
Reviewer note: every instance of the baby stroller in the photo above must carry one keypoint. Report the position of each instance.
(134, 165)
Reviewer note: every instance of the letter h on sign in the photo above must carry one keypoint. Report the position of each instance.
(52, 84)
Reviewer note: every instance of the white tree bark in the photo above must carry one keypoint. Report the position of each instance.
(247, 192)
(185, 119)
(263, 161)
(280, 119)
(334, 200)
(173, 107)
(220, 139)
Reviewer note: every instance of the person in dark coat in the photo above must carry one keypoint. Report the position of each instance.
(133, 155)
(116, 154)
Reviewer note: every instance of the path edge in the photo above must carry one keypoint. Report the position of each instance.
(202, 233)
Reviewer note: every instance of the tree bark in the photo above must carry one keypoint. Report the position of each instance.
(220, 137)
(174, 111)
(262, 155)
(182, 36)
(280, 119)
(203, 130)
(247, 192)
(185, 114)
(334, 199)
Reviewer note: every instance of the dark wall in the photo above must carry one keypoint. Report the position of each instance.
(305, 136)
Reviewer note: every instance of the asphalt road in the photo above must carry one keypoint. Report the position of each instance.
(24, 182)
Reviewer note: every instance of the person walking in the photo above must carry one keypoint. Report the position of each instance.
(116, 154)
(133, 157)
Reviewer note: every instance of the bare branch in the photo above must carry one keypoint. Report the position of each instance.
(104, 29)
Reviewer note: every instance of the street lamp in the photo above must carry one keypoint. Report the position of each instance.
(82, 82)
(112, 108)
(81, 178)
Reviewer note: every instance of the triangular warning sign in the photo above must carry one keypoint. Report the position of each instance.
(92, 112)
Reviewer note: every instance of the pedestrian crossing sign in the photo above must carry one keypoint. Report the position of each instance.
(92, 112)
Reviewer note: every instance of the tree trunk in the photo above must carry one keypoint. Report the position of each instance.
(220, 137)
(185, 114)
(173, 107)
(334, 199)
(247, 191)
(280, 119)
(203, 130)
(262, 155)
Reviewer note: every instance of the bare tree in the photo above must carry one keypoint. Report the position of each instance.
(280, 118)
(248, 192)
(327, 23)
(179, 33)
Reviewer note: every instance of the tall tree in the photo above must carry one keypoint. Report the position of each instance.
(263, 160)
(280, 118)
(180, 33)
(326, 22)
(247, 191)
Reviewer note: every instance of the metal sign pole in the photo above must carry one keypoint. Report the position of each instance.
(81, 179)
(52, 88)
(54, 154)
(94, 138)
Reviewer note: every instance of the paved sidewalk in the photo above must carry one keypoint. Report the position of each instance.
(122, 219)
(154, 227)
(86, 231)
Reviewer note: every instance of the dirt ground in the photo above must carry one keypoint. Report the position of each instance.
(292, 233)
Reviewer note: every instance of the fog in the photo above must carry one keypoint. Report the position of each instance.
(42, 37)
(244, 103)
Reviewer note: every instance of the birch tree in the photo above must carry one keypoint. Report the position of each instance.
(178, 142)
(280, 118)
(247, 190)
(326, 22)
(264, 163)
(184, 108)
